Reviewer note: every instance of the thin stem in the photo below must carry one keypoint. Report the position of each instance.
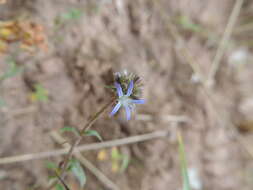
(64, 163)
(95, 117)
(62, 182)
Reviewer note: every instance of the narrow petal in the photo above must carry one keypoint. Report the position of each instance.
(115, 109)
(138, 101)
(130, 88)
(128, 113)
(119, 89)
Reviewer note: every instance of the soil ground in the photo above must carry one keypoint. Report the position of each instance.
(113, 35)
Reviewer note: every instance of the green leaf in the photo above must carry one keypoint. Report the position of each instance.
(59, 187)
(70, 129)
(115, 154)
(188, 24)
(13, 70)
(93, 133)
(72, 14)
(40, 93)
(125, 163)
(77, 170)
(51, 165)
(183, 163)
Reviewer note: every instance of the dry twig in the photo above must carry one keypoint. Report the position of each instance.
(94, 146)
(224, 41)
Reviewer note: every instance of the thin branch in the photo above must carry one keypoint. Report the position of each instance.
(224, 41)
(165, 118)
(94, 146)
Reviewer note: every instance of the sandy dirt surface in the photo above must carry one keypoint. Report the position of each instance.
(113, 35)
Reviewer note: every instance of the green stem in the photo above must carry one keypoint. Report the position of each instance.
(64, 163)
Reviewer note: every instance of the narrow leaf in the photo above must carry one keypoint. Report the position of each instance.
(115, 154)
(188, 24)
(93, 133)
(78, 172)
(72, 14)
(125, 163)
(183, 163)
(59, 187)
(51, 165)
(69, 129)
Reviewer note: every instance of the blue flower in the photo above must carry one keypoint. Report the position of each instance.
(125, 100)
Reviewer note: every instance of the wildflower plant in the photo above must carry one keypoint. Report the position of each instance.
(127, 88)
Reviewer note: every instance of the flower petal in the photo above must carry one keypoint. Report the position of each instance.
(130, 88)
(119, 89)
(138, 101)
(128, 112)
(115, 109)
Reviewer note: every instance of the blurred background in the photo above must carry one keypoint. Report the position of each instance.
(194, 58)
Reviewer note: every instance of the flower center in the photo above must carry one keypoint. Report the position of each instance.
(125, 100)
